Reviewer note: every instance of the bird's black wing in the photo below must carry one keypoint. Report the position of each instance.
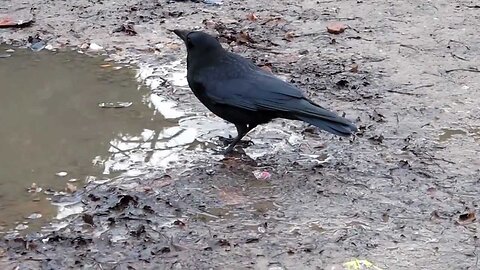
(263, 92)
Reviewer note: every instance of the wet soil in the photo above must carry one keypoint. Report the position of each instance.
(403, 193)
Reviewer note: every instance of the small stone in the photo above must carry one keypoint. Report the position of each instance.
(95, 47)
(34, 216)
(21, 227)
(61, 174)
(336, 27)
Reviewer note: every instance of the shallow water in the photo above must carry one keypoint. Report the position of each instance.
(55, 129)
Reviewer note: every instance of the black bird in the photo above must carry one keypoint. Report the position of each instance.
(238, 91)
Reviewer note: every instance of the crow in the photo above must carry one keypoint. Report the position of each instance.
(245, 95)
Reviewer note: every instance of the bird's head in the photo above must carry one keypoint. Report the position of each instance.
(199, 44)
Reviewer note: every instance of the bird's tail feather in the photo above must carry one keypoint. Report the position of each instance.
(322, 118)
(339, 128)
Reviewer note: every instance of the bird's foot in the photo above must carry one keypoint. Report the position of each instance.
(228, 141)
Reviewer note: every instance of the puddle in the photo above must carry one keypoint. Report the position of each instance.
(448, 134)
(54, 132)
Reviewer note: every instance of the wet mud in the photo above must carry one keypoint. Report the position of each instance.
(402, 194)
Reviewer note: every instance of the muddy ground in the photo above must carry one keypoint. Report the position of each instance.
(402, 194)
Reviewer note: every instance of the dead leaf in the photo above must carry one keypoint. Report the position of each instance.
(127, 29)
(275, 21)
(244, 37)
(71, 188)
(354, 68)
(252, 17)
(467, 218)
(336, 27)
(179, 223)
(289, 36)
(87, 218)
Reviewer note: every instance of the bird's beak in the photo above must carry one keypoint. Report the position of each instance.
(181, 33)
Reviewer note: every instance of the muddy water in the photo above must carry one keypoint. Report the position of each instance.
(55, 129)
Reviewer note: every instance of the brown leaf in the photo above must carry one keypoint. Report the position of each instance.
(467, 218)
(275, 21)
(244, 37)
(336, 27)
(252, 17)
(289, 36)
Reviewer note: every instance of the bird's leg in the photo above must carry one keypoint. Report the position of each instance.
(228, 141)
(242, 130)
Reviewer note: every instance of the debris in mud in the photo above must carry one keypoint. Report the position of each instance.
(377, 117)
(71, 188)
(213, 2)
(336, 28)
(179, 223)
(34, 188)
(467, 218)
(244, 37)
(435, 216)
(124, 202)
(127, 29)
(252, 17)
(355, 265)
(34, 216)
(21, 227)
(88, 219)
(36, 43)
(115, 105)
(354, 68)
(342, 83)
(252, 240)
(289, 36)
(262, 175)
(138, 231)
(377, 139)
(95, 47)
(61, 174)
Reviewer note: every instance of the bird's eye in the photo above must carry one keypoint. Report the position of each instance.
(189, 43)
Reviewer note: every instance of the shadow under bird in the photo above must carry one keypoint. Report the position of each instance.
(238, 91)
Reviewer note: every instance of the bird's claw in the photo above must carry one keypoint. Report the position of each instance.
(228, 141)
